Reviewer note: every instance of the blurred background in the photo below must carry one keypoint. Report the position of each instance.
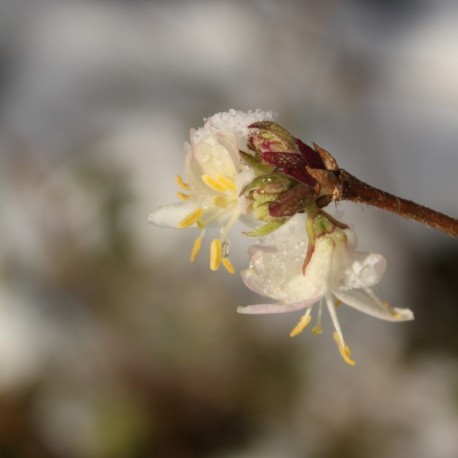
(111, 343)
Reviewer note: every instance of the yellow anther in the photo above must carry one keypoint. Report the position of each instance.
(213, 183)
(302, 324)
(182, 195)
(345, 350)
(396, 314)
(226, 182)
(228, 265)
(196, 248)
(391, 311)
(182, 184)
(317, 329)
(220, 201)
(190, 219)
(216, 254)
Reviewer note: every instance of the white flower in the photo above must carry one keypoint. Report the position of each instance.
(214, 176)
(335, 270)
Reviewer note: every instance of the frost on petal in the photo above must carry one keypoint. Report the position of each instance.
(168, 216)
(233, 120)
(366, 270)
(367, 303)
(311, 286)
(276, 266)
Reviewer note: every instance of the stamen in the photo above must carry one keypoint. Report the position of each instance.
(191, 218)
(344, 349)
(317, 329)
(196, 248)
(226, 182)
(220, 201)
(214, 184)
(182, 195)
(228, 265)
(216, 254)
(381, 304)
(302, 324)
(233, 219)
(182, 184)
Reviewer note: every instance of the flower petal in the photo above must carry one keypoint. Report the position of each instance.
(366, 270)
(271, 308)
(364, 302)
(168, 216)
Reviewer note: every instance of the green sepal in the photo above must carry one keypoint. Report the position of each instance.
(273, 183)
(254, 163)
(265, 229)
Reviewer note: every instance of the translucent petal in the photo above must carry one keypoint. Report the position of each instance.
(168, 216)
(366, 270)
(363, 302)
(271, 308)
(311, 286)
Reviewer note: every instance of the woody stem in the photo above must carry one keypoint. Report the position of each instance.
(349, 187)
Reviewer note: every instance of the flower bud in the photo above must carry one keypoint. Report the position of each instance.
(267, 136)
(275, 147)
(263, 191)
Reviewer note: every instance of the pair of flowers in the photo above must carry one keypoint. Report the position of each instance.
(243, 166)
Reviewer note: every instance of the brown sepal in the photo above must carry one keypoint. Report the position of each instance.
(329, 162)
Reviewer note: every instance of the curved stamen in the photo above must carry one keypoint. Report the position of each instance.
(317, 329)
(182, 184)
(302, 324)
(338, 337)
(190, 219)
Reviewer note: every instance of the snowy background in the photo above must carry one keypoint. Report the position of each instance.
(111, 343)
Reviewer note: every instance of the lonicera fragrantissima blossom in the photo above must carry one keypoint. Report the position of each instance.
(214, 177)
(335, 271)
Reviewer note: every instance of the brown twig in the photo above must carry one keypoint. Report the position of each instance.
(351, 188)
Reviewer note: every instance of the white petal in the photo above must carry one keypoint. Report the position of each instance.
(362, 301)
(276, 266)
(311, 286)
(368, 269)
(213, 159)
(168, 216)
(271, 308)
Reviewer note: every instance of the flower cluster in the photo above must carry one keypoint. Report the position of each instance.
(244, 164)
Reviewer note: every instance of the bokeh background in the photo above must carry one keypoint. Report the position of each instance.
(111, 343)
